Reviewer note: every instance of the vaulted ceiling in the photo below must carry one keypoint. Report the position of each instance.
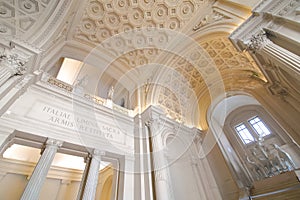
(176, 51)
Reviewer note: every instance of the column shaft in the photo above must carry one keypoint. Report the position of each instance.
(84, 177)
(292, 61)
(39, 174)
(92, 177)
(5, 74)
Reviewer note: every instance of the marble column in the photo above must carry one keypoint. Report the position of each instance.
(261, 44)
(90, 188)
(39, 174)
(87, 161)
(160, 166)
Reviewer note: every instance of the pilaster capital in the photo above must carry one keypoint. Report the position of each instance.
(258, 41)
(154, 124)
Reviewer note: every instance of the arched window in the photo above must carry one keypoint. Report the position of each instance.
(263, 147)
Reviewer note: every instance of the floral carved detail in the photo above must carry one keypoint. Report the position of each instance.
(12, 61)
(258, 41)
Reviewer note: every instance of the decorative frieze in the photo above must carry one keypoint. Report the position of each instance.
(60, 84)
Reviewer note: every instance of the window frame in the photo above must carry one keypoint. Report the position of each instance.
(252, 130)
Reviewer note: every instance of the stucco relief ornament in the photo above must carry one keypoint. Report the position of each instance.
(209, 19)
(258, 42)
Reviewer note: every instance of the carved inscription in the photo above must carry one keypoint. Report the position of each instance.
(83, 125)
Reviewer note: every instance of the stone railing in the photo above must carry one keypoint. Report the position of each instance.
(60, 84)
(96, 99)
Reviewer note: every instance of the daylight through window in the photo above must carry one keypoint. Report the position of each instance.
(252, 129)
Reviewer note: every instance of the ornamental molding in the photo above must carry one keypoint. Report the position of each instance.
(209, 19)
(54, 21)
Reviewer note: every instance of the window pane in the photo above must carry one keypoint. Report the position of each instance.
(259, 127)
(244, 134)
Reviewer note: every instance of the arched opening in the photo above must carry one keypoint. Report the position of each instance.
(254, 145)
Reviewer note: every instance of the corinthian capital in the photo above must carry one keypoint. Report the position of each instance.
(258, 41)
(14, 62)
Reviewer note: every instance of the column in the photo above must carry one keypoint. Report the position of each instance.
(87, 161)
(89, 192)
(39, 174)
(262, 45)
(160, 167)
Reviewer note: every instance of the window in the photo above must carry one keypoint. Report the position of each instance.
(244, 134)
(251, 130)
(259, 127)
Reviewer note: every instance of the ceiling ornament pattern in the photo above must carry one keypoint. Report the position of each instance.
(182, 83)
(103, 19)
(18, 16)
(140, 57)
(226, 56)
(192, 79)
(210, 19)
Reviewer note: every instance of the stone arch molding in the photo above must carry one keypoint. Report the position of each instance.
(217, 114)
(166, 40)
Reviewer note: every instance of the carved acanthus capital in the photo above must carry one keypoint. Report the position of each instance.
(13, 62)
(258, 41)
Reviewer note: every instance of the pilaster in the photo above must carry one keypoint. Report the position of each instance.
(160, 167)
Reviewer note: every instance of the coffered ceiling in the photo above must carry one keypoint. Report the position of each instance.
(186, 39)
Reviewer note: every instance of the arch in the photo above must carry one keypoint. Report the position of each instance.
(227, 112)
(107, 189)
